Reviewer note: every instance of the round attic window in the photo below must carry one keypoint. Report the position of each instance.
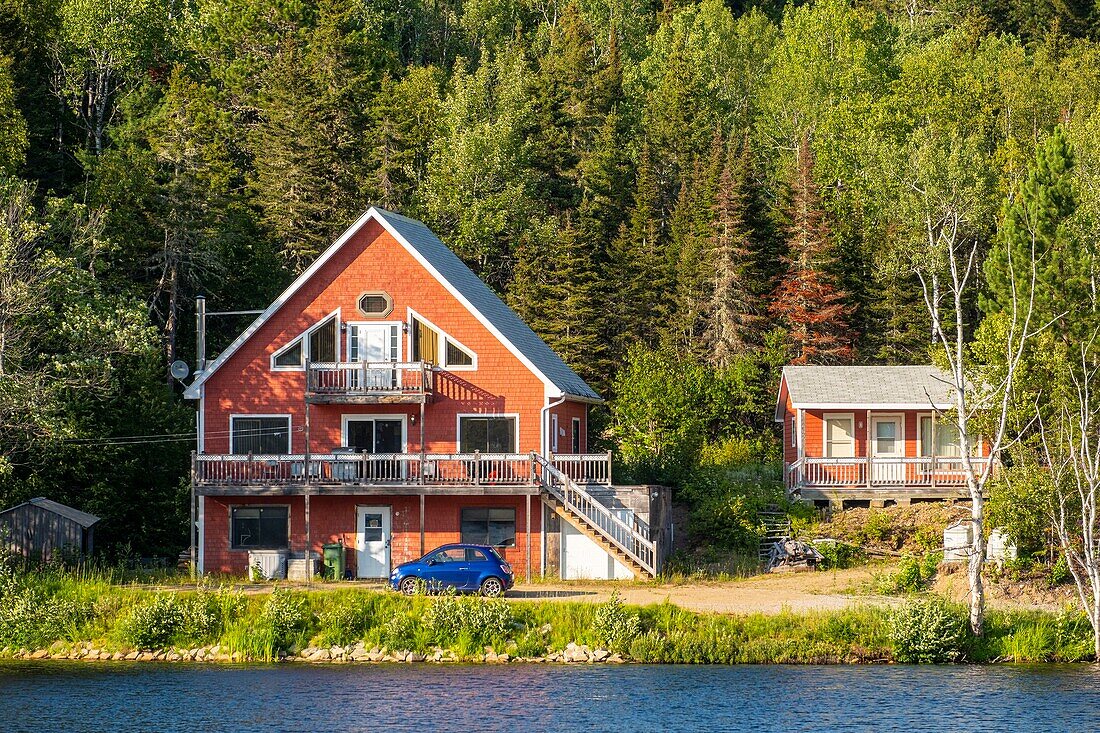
(376, 305)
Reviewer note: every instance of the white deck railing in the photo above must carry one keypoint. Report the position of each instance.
(413, 469)
(922, 472)
(351, 378)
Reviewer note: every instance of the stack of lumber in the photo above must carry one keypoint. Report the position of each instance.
(788, 554)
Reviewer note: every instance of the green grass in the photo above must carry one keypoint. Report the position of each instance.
(89, 608)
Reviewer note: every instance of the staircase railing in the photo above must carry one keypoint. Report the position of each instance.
(634, 542)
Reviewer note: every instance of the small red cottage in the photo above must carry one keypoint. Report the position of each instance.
(870, 435)
(389, 400)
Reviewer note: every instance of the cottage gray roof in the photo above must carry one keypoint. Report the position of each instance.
(453, 274)
(485, 301)
(872, 386)
(82, 518)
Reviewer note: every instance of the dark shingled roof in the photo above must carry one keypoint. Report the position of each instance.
(486, 302)
(82, 518)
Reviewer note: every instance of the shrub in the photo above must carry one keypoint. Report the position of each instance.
(480, 619)
(928, 631)
(1059, 572)
(914, 573)
(343, 622)
(154, 623)
(838, 555)
(650, 647)
(32, 617)
(399, 632)
(614, 626)
(878, 527)
(287, 615)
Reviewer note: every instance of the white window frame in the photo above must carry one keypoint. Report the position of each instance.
(458, 425)
(381, 293)
(356, 324)
(554, 429)
(825, 418)
(289, 525)
(289, 427)
(576, 436)
(354, 416)
(444, 339)
(304, 338)
(976, 450)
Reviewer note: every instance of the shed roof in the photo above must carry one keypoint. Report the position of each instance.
(467, 287)
(82, 518)
(883, 387)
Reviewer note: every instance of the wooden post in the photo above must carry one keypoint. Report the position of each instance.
(422, 548)
(609, 481)
(867, 447)
(194, 528)
(309, 542)
(422, 447)
(932, 450)
(527, 528)
(477, 468)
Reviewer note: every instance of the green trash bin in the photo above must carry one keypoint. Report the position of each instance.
(334, 560)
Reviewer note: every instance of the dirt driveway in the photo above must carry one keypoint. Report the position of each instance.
(797, 592)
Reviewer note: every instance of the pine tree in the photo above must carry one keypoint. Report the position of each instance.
(735, 322)
(807, 301)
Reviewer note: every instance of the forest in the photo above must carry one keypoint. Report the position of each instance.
(680, 197)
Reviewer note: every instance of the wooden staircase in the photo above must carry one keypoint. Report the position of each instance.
(777, 526)
(630, 544)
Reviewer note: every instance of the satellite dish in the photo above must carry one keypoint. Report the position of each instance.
(179, 369)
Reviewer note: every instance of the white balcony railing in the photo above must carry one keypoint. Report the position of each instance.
(921, 472)
(362, 378)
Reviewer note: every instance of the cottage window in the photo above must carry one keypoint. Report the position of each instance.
(260, 528)
(484, 526)
(291, 357)
(319, 343)
(576, 435)
(260, 435)
(425, 342)
(377, 304)
(946, 440)
(487, 434)
(457, 356)
(839, 436)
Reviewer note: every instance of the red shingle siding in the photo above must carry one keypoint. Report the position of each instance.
(333, 518)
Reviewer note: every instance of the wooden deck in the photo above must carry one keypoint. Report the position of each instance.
(879, 479)
(369, 383)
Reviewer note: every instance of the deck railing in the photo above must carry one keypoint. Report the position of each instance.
(412, 469)
(921, 472)
(351, 378)
(585, 468)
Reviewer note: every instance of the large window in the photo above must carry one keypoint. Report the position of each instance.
(432, 345)
(839, 436)
(484, 526)
(260, 528)
(487, 434)
(259, 435)
(320, 343)
(945, 442)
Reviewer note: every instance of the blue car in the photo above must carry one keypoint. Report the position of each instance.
(462, 567)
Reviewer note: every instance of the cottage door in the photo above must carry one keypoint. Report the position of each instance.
(372, 542)
(887, 450)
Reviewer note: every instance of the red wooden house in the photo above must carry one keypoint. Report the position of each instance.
(870, 435)
(389, 400)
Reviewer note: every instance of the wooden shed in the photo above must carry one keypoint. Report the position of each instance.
(40, 528)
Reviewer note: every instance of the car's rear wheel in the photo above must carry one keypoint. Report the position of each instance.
(492, 587)
(409, 586)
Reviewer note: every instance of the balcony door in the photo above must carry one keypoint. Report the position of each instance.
(374, 343)
(887, 449)
(381, 435)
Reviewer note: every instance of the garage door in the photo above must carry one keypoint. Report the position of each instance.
(584, 559)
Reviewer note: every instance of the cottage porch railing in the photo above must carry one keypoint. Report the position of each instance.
(920, 472)
(351, 378)
(411, 469)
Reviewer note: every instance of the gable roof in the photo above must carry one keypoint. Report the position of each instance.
(460, 281)
(882, 387)
(82, 518)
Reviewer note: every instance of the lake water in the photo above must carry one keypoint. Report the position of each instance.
(149, 697)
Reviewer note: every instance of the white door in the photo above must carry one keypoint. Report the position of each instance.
(373, 342)
(583, 559)
(887, 450)
(372, 542)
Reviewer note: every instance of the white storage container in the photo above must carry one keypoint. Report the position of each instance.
(957, 540)
(1000, 548)
(271, 563)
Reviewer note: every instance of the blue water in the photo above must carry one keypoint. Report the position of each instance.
(73, 696)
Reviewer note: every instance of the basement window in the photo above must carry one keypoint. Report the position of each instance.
(260, 528)
(489, 526)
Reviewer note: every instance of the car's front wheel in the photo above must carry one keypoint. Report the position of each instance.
(492, 587)
(409, 586)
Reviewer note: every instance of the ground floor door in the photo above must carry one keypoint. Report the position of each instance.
(887, 442)
(372, 542)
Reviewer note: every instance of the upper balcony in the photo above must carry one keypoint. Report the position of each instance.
(369, 383)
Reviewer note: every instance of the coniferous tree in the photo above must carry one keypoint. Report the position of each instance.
(735, 322)
(807, 301)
